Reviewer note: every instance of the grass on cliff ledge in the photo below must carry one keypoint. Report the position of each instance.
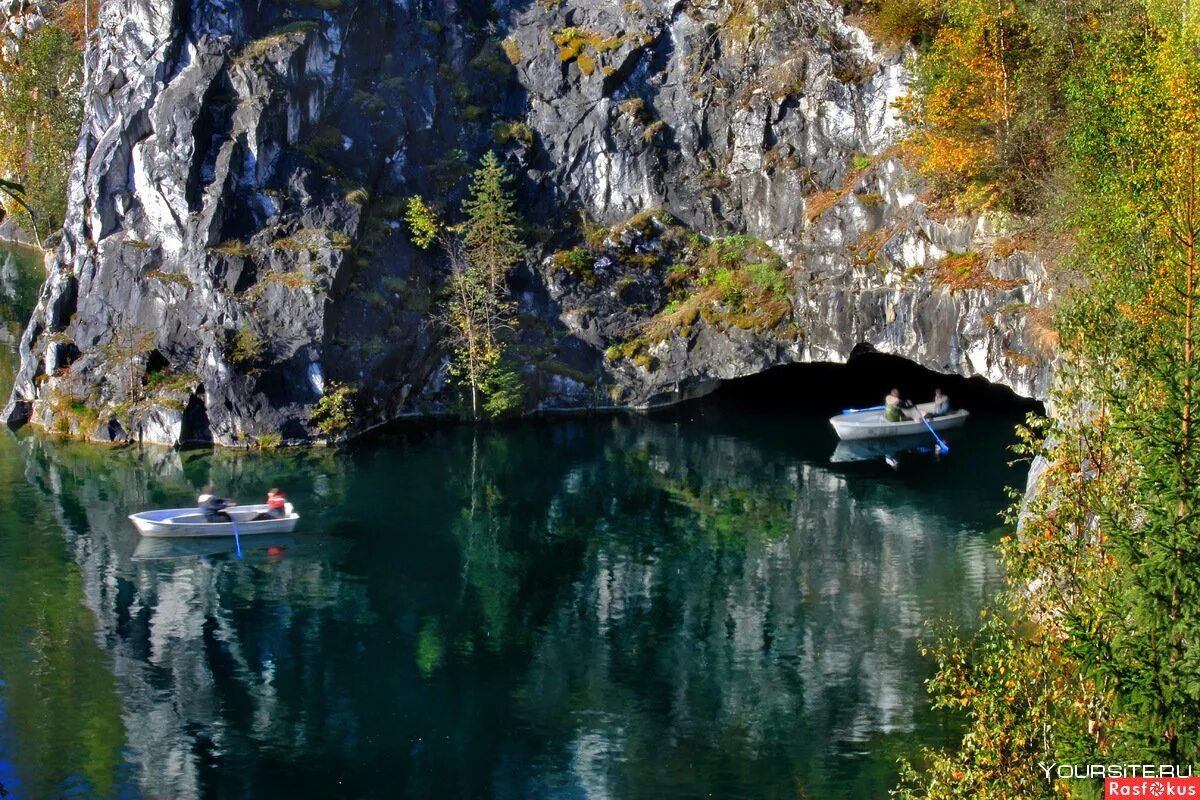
(737, 281)
(969, 270)
(733, 282)
(584, 47)
(293, 32)
(313, 240)
(626, 242)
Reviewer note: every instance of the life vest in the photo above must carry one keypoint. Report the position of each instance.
(277, 502)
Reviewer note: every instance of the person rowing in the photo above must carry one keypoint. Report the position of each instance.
(894, 405)
(213, 507)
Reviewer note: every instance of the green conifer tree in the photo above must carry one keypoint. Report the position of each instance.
(478, 314)
(492, 230)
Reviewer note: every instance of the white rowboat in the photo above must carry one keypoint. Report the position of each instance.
(169, 522)
(872, 424)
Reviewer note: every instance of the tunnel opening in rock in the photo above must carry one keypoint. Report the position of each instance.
(861, 382)
(156, 365)
(195, 428)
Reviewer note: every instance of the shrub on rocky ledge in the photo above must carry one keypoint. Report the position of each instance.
(577, 261)
(334, 412)
(246, 346)
(737, 281)
(505, 132)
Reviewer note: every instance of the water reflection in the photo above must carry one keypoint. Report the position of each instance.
(614, 608)
(892, 447)
(152, 549)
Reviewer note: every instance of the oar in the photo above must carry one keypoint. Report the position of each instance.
(945, 448)
(856, 410)
(237, 540)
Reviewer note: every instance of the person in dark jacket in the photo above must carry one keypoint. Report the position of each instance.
(213, 507)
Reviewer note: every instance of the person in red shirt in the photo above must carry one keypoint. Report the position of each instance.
(276, 506)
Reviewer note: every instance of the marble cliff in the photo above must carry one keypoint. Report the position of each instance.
(235, 243)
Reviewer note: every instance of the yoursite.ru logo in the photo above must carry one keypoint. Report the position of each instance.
(1085, 771)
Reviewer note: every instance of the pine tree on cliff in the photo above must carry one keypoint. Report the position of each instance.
(476, 314)
(128, 347)
(491, 231)
(472, 315)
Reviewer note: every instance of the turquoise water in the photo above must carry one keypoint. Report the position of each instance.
(691, 606)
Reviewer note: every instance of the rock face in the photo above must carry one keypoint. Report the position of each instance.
(234, 241)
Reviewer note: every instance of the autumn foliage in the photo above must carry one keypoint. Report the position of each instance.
(40, 112)
(1092, 653)
(989, 110)
(961, 114)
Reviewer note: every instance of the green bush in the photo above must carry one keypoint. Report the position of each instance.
(333, 414)
(766, 275)
(577, 261)
(247, 347)
(503, 390)
(423, 223)
(269, 441)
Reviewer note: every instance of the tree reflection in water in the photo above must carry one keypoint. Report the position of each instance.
(608, 608)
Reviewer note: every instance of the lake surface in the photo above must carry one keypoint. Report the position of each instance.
(689, 606)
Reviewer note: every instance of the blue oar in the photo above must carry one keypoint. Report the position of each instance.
(237, 540)
(945, 448)
(856, 410)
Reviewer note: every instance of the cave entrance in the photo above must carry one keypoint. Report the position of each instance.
(861, 382)
(195, 428)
